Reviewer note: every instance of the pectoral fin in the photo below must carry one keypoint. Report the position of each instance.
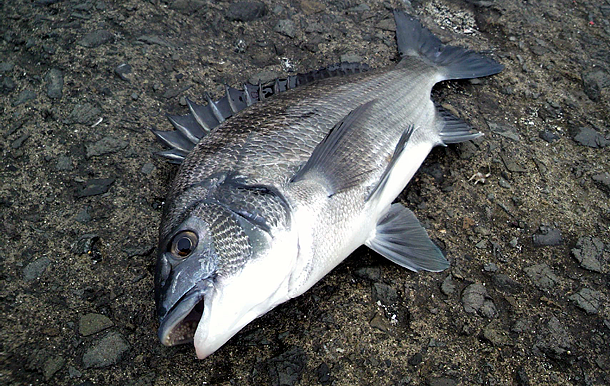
(334, 161)
(400, 238)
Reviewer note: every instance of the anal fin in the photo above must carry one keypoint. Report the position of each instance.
(400, 238)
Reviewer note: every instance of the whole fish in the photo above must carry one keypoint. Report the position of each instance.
(303, 172)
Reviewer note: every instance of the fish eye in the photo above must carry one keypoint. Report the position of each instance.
(183, 244)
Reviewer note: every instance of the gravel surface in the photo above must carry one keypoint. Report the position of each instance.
(525, 301)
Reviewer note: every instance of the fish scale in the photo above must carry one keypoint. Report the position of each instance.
(292, 178)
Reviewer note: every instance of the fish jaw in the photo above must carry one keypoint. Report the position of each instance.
(262, 284)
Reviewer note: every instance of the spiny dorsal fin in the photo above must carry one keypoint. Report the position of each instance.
(202, 119)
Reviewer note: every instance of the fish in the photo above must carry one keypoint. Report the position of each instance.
(279, 183)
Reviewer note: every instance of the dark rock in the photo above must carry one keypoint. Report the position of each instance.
(85, 244)
(263, 77)
(369, 273)
(96, 38)
(23, 97)
(442, 381)
(55, 83)
(187, 7)
(7, 85)
(35, 269)
(384, 294)
(476, 300)
(506, 284)
(104, 146)
(323, 374)
(588, 300)
(555, 341)
(602, 180)
(90, 324)
(594, 82)
(542, 276)
(246, 11)
(548, 136)
(416, 359)
(284, 369)
(547, 237)
(587, 136)
(521, 377)
(85, 114)
(94, 187)
(122, 70)
(285, 27)
(589, 253)
(153, 39)
(16, 144)
(106, 352)
(52, 366)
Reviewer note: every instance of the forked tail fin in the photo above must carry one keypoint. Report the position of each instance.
(453, 62)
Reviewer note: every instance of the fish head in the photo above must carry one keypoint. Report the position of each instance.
(216, 272)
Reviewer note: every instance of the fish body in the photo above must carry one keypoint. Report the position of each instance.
(281, 192)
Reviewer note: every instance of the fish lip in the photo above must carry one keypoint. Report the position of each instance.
(178, 326)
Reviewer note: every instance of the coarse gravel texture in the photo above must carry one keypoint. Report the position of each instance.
(525, 301)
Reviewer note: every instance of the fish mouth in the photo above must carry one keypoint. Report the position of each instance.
(180, 323)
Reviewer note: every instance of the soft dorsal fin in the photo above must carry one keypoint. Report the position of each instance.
(202, 119)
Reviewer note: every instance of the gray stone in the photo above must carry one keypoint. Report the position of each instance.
(154, 39)
(35, 269)
(285, 27)
(106, 352)
(52, 366)
(104, 146)
(187, 7)
(85, 114)
(93, 323)
(547, 237)
(96, 38)
(64, 163)
(504, 130)
(588, 300)
(94, 187)
(542, 276)
(16, 144)
(246, 11)
(476, 300)
(55, 83)
(448, 287)
(6, 67)
(83, 216)
(548, 136)
(594, 82)
(587, 136)
(602, 180)
(23, 97)
(589, 253)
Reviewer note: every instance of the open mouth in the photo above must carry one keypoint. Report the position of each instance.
(180, 324)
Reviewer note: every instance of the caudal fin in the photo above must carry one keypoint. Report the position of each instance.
(453, 62)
